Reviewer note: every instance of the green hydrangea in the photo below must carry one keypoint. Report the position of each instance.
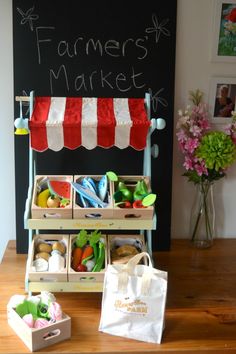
(217, 150)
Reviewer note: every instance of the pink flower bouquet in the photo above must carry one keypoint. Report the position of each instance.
(207, 155)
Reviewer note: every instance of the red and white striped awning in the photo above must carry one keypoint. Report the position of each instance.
(71, 122)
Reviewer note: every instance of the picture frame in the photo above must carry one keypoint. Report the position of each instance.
(222, 99)
(224, 31)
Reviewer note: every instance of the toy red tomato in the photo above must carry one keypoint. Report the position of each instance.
(138, 204)
(125, 204)
(81, 268)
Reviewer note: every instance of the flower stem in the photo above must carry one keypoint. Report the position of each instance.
(203, 211)
(196, 225)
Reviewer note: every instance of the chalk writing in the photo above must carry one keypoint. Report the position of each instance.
(39, 41)
(111, 47)
(82, 46)
(157, 28)
(123, 82)
(25, 104)
(156, 99)
(135, 48)
(28, 17)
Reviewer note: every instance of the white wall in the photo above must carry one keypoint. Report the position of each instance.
(194, 69)
(7, 180)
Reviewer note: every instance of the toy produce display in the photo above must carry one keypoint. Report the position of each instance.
(49, 256)
(88, 253)
(122, 254)
(37, 311)
(132, 194)
(53, 193)
(122, 249)
(91, 193)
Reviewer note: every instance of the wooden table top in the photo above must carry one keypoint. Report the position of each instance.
(200, 313)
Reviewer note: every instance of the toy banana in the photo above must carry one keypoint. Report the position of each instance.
(42, 198)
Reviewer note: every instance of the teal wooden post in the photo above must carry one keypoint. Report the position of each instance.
(149, 152)
(32, 172)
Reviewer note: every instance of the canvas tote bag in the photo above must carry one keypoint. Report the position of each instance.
(133, 302)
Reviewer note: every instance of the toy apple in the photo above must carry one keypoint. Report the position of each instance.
(53, 202)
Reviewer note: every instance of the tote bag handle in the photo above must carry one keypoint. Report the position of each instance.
(130, 266)
(128, 269)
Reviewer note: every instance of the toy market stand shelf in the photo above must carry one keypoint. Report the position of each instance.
(71, 122)
(91, 224)
(200, 311)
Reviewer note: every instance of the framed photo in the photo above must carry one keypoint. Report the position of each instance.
(224, 31)
(222, 99)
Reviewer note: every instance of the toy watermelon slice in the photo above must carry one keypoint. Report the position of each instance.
(60, 188)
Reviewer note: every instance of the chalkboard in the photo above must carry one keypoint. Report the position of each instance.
(97, 49)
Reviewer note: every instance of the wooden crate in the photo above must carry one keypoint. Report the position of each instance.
(85, 277)
(36, 339)
(132, 213)
(34, 276)
(95, 213)
(51, 213)
(114, 241)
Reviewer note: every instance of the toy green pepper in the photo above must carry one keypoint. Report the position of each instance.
(141, 190)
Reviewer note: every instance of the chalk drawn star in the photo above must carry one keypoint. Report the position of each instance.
(156, 99)
(28, 16)
(158, 28)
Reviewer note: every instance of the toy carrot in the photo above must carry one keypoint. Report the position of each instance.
(77, 255)
(87, 252)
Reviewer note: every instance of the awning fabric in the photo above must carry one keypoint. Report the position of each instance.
(71, 122)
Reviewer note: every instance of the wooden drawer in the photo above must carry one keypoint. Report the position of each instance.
(116, 241)
(132, 213)
(91, 212)
(36, 276)
(36, 339)
(38, 212)
(85, 277)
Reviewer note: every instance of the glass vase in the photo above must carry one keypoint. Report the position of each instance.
(202, 222)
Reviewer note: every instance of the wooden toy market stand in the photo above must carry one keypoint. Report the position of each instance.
(34, 225)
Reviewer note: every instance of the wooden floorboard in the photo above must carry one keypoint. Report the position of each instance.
(200, 313)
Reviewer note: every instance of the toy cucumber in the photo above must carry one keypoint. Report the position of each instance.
(101, 257)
